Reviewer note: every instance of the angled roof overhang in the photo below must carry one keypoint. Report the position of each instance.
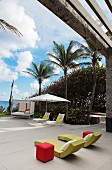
(76, 16)
(109, 4)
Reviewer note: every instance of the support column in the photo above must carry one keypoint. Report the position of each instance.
(109, 93)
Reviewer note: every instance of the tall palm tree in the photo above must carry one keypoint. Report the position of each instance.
(40, 72)
(65, 59)
(4, 25)
(90, 52)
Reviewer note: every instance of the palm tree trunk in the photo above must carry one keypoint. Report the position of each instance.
(93, 92)
(65, 86)
(65, 75)
(39, 95)
(39, 88)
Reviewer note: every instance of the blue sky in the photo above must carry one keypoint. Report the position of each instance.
(39, 28)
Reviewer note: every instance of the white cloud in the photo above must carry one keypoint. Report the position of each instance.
(17, 17)
(35, 84)
(4, 96)
(25, 95)
(15, 90)
(5, 72)
(51, 27)
(24, 61)
(57, 69)
(45, 82)
(18, 94)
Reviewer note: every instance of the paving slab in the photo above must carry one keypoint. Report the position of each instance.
(17, 150)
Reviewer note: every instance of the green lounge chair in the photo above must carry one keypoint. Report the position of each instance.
(62, 150)
(58, 121)
(89, 139)
(43, 119)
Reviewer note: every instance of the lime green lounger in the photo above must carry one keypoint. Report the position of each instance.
(89, 139)
(62, 150)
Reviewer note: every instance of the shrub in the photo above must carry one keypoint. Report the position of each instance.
(37, 114)
(2, 109)
(15, 109)
(78, 116)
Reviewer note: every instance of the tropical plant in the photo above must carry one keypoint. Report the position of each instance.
(4, 25)
(2, 109)
(10, 99)
(65, 59)
(40, 72)
(92, 53)
(79, 88)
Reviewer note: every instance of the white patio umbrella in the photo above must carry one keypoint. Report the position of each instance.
(48, 98)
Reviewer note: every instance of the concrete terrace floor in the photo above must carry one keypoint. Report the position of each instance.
(17, 150)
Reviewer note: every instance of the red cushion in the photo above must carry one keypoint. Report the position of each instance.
(45, 152)
(27, 110)
(86, 133)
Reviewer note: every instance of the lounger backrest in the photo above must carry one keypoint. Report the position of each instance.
(60, 118)
(73, 147)
(95, 136)
(46, 116)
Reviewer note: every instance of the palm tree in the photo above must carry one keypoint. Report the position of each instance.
(4, 25)
(40, 72)
(95, 56)
(65, 59)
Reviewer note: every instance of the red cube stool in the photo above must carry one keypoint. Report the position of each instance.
(86, 133)
(45, 152)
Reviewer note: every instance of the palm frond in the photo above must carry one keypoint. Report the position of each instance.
(84, 56)
(74, 65)
(70, 47)
(54, 57)
(35, 67)
(33, 75)
(56, 49)
(53, 62)
(4, 25)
